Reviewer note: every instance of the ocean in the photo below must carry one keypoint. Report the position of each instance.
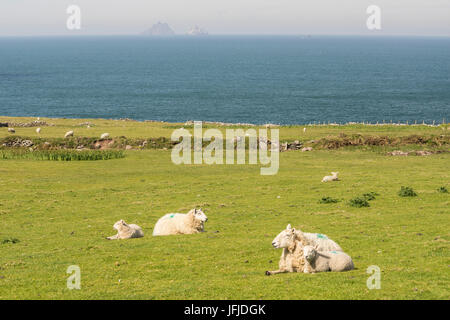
(245, 79)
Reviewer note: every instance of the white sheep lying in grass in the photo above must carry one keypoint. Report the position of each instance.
(179, 223)
(68, 134)
(333, 177)
(319, 241)
(319, 261)
(38, 130)
(292, 241)
(104, 136)
(11, 130)
(126, 231)
(292, 259)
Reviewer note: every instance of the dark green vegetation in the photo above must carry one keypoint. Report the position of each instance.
(328, 200)
(62, 155)
(442, 189)
(407, 192)
(359, 202)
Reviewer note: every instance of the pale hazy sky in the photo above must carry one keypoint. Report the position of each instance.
(398, 17)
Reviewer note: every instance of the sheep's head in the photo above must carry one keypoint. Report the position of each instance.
(120, 225)
(309, 253)
(285, 238)
(199, 215)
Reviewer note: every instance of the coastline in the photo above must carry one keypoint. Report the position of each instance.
(434, 123)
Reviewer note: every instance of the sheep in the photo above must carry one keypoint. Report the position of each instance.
(11, 130)
(126, 231)
(104, 136)
(292, 241)
(68, 134)
(333, 177)
(304, 130)
(179, 223)
(292, 259)
(319, 241)
(38, 130)
(322, 261)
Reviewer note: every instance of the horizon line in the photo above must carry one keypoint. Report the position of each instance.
(66, 35)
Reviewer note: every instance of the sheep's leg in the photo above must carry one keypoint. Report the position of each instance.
(269, 273)
(115, 237)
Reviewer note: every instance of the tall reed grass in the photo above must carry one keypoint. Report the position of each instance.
(62, 155)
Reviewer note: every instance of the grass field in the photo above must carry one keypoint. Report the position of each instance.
(56, 214)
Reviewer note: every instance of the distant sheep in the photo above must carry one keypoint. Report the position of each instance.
(322, 261)
(179, 223)
(38, 130)
(11, 130)
(126, 231)
(104, 136)
(68, 134)
(333, 177)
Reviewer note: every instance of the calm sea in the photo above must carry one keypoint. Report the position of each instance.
(265, 79)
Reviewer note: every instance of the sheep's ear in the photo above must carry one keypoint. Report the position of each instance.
(293, 230)
(288, 227)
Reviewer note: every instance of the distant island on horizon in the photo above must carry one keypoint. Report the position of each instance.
(159, 29)
(163, 29)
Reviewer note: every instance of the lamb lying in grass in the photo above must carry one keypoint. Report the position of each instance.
(68, 134)
(319, 261)
(179, 223)
(333, 177)
(126, 231)
(292, 241)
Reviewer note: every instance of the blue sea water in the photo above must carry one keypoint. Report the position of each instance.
(254, 79)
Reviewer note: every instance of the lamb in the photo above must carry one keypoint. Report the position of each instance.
(322, 261)
(292, 259)
(68, 134)
(38, 130)
(11, 130)
(126, 231)
(179, 223)
(333, 177)
(104, 136)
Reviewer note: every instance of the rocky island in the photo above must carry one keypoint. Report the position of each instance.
(197, 31)
(159, 29)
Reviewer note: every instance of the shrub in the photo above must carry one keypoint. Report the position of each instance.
(442, 190)
(370, 196)
(359, 202)
(328, 200)
(10, 240)
(407, 192)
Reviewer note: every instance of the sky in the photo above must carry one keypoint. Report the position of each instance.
(266, 17)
